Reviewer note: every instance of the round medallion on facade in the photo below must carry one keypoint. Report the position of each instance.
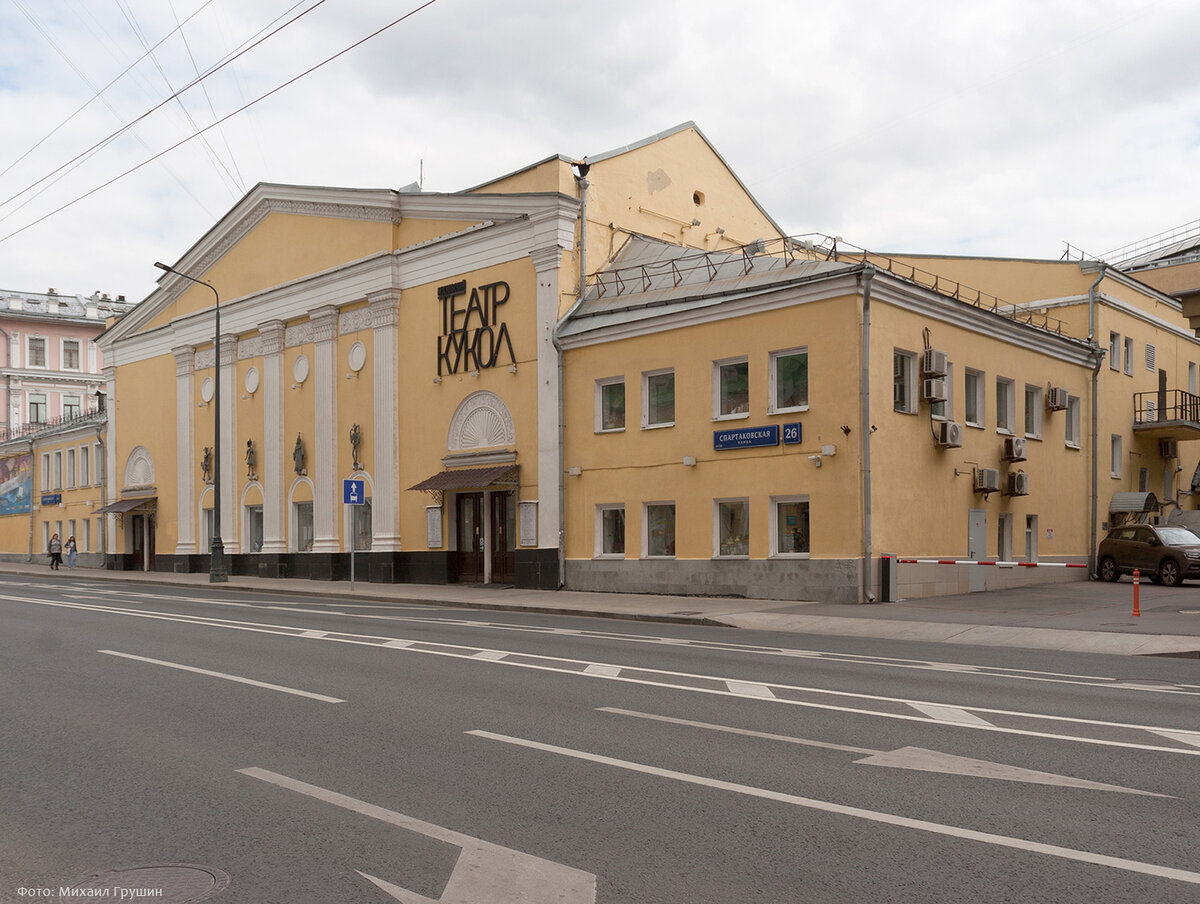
(300, 369)
(252, 380)
(207, 389)
(358, 356)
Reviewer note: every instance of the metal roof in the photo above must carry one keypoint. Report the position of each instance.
(466, 478)
(1133, 502)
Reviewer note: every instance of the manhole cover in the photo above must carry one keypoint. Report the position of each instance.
(171, 883)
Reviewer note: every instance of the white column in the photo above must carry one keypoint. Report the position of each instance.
(271, 468)
(185, 514)
(110, 458)
(230, 460)
(546, 262)
(385, 505)
(327, 495)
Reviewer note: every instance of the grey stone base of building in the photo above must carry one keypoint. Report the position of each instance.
(535, 569)
(822, 580)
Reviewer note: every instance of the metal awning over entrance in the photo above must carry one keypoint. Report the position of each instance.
(129, 504)
(470, 479)
(1133, 502)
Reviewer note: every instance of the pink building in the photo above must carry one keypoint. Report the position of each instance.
(50, 365)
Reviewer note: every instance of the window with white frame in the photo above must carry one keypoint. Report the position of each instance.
(904, 381)
(98, 464)
(1114, 351)
(1033, 411)
(85, 536)
(304, 526)
(973, 397)
(944, 411)
(731, 528)
(658, 398)
(57, 475)
(1129, 356)
(788, 379)
(789, 526)
(85, 465)
(70, 354)
(1072, 425)
(45, 471)
(70, 407)
(610, 531)
(254, 528)
(206, 530)
(1143, 480)
(1005, 405)
(1115, 454)
(71, 471)
(1031, 538)
(731, 388)
(610, 404)
(1192, 377)
(361, 525)
(35, 351)
(38, 411)
(658, 530)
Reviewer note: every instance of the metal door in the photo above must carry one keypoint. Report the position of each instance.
(503, 539)
(977, 549)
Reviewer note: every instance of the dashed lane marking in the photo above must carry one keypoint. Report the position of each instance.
(952, 714)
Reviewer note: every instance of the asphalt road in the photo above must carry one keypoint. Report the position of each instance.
(326, 751)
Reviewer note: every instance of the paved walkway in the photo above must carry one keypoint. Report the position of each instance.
(1083, 617)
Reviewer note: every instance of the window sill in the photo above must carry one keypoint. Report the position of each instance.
(791, 555)
(1074, 446)
(658, 558)
(657, 426)
(611, 430)
(740, 416)
(976, 426)
(611, 556)
(1004, 431)
(720, 558)
(905, 411)
(1036, 436)
(799, 409)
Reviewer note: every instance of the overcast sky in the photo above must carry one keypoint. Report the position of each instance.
(1001, 128)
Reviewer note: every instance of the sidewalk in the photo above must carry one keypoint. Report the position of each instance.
(1085, 617)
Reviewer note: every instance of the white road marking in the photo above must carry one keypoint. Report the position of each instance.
(662, 678)
(1183, 737)
(484, 873)
(1020, 844)
(237, 678)
(915, 758)
(953, 714)
(750, 689)
(315, 634)
(490, 655)
(602, 671)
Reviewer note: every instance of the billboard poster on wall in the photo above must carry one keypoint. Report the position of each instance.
(16, 484)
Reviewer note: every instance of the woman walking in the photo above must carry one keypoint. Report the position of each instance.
(71, 549)
(55, 550)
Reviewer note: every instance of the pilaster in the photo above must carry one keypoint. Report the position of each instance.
(272, 468)
(326, 495)
(229, 450)
(385, 505)
(547, 263)
(185, 441)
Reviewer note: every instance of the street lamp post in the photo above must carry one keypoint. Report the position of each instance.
(218, 571)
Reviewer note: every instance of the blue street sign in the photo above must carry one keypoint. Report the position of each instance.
(792, 433)
(354, 492)
(745, 438)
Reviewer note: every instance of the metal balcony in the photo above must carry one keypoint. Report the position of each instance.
(1167, 414)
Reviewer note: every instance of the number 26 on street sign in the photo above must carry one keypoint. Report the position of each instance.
(354, 492)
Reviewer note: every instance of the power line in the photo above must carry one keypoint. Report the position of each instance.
(241, 109)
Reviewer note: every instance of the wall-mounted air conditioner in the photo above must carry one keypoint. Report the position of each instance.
(1018, 484)
(987, 480)
(934, 391)
(934, 363)
(1014, 448)
(1056, 398)
(949, 434)
(1168, 448)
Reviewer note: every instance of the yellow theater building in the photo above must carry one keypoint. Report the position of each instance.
(620, 374)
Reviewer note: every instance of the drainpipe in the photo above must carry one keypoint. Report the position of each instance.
(31, 492)
(7, 379)
(582, 182)
(1098, 355)
(865, 428)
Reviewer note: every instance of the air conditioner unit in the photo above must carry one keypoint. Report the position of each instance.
(950, 434)
(935, 363)
(1168, 448)
(1014, 448)
(1018, 484)
(987, 480)
(1056, 398)
(934, 391)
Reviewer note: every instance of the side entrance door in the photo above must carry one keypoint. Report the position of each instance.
(977, 549)
(503, 524)
(470, 537)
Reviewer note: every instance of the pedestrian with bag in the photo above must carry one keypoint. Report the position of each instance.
(55, 550)
(71, 550)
